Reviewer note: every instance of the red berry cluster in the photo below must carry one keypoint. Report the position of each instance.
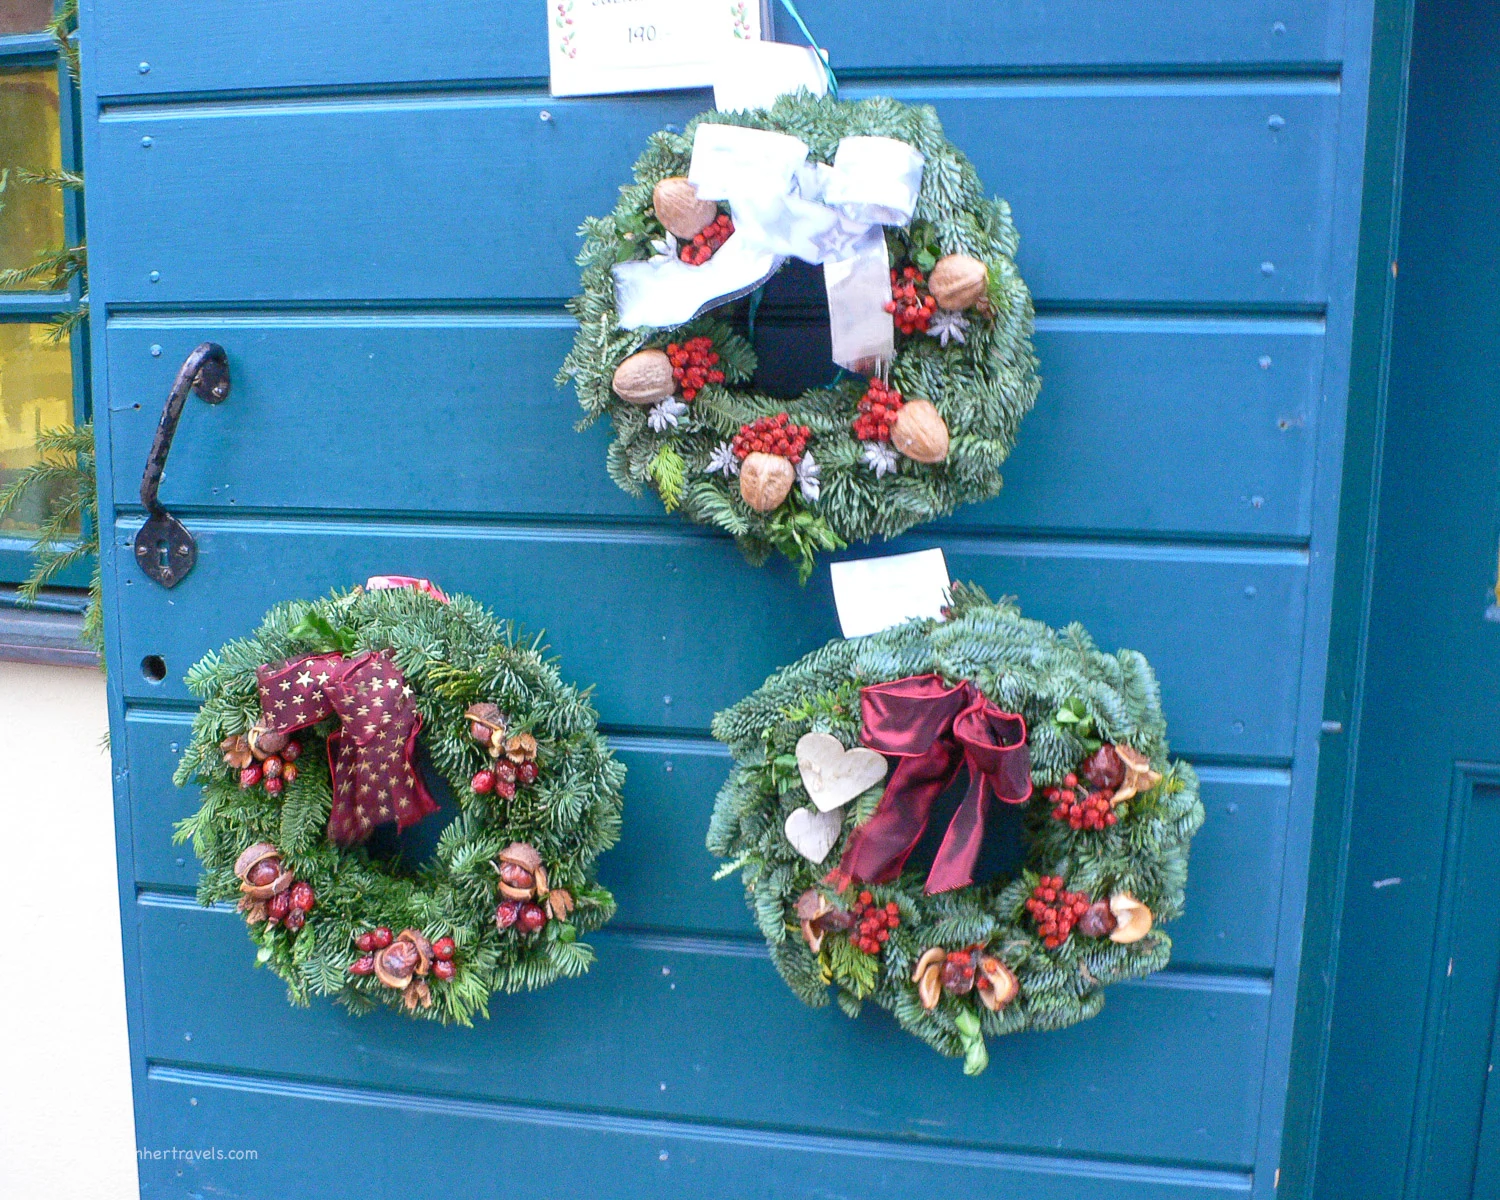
(772, 435)
(502, 778)
(368, 943)
(375, 940)
(702, 247)
(525, 915)
(911, 306)
(877, 413)
(1055, 910)
(872, 923)
(290, 908)
(1093, 811)
(694, 363)
(958, 972)
(275, 771)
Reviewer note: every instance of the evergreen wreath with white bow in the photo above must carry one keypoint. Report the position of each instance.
(930, 325)
(1050, 879)
(333, 719)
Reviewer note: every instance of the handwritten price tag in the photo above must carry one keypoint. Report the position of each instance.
(605, 46)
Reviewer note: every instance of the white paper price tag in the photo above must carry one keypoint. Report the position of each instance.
(872, 594)
(604, 46)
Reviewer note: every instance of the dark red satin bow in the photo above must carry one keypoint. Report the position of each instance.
(370, 754)
(934, 729)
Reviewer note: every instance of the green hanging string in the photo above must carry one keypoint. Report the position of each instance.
(833, 83)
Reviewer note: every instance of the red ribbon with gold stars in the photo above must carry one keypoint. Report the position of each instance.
(370, 755)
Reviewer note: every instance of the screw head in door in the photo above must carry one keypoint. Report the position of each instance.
(144, 68)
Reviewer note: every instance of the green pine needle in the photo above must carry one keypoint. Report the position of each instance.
(982, 386)
(451, 655)
(1063, 685)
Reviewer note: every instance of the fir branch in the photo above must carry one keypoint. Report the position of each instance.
(1023, 667)
(982, 387)
(451, 655)
(69, 532)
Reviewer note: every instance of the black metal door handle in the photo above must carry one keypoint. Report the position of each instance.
(164, 548)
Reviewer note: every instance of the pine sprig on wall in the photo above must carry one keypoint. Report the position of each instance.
(452, 655)
(65, 466)
(1024, 667)
(982, 386)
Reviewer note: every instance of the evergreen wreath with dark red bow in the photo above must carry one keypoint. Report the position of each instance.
(1009, 908)
(927, 311)
(334, 723)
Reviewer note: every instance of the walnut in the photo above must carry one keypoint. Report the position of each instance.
(920, 432)
(679, 210)
(765, 480)
(644, 378)
(958, 281)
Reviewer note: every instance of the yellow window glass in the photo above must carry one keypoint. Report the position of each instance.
(36, 393)
(24, 16)
(31, 214)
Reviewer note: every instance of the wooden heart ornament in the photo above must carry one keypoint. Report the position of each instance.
(812, 834)
(832, 775)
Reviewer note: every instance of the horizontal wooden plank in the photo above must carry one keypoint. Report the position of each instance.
(672, 627)
(1165, 192)
(1226, 407)
(463, 1141)
(425, 41)
(661, 873)
(601, 1042)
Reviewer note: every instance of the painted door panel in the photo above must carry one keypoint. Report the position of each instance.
(1228, 679)
(564, 1153)
(663, 878)
(1411, 1104)
(476, 42)
(370, 213)
(1237, 400)
(473, 197)
(664, 1014)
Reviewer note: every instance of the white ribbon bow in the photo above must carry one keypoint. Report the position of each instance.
(786, 207)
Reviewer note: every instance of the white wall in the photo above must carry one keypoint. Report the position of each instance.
(66, 1130)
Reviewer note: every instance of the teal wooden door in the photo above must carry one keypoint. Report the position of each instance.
(1412, 1101)
(372, 208)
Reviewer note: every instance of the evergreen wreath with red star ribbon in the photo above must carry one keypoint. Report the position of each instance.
(327, 733)
(1009, 908)
(930, 325)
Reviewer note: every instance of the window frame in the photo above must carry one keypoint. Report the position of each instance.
(21, 52)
